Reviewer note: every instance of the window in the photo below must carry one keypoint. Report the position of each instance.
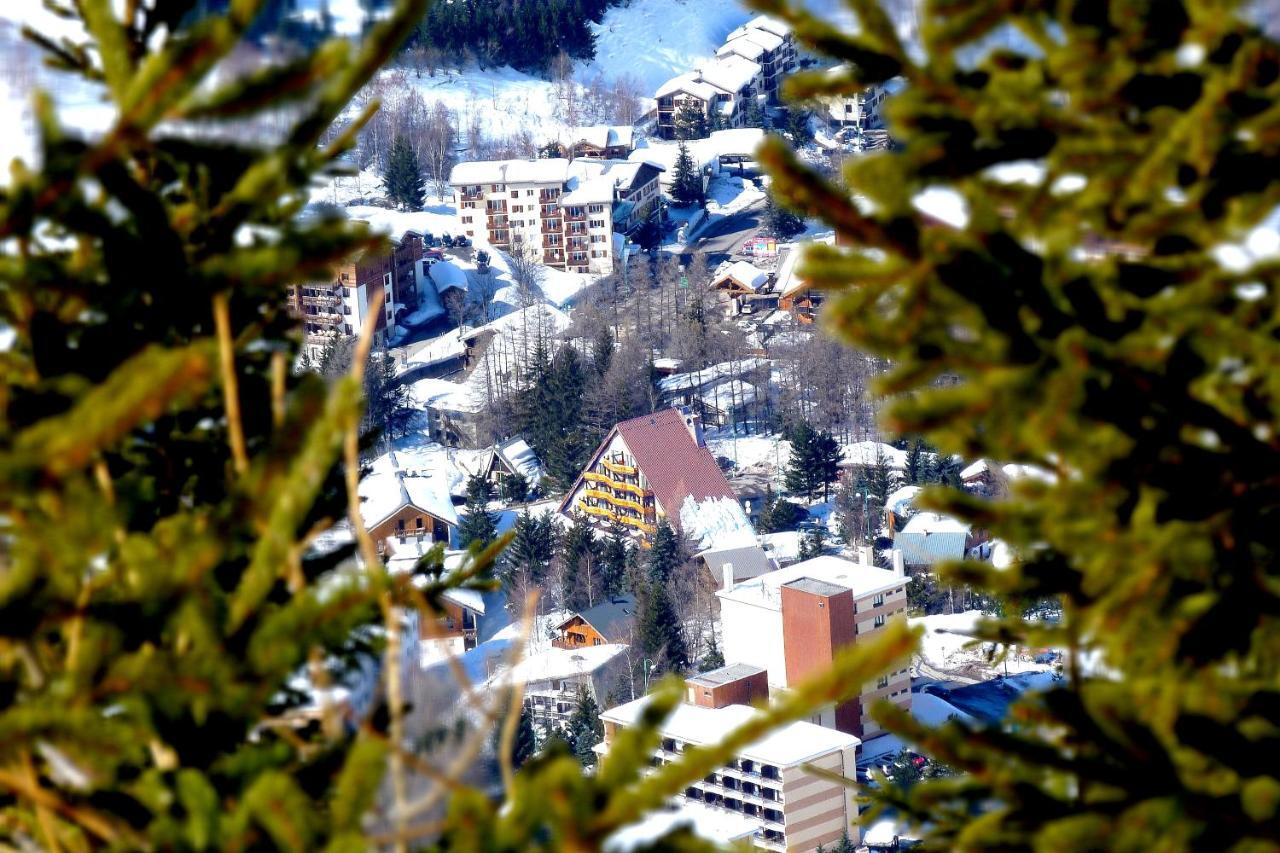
(878, 622)
(597, 223)
(419, 525)
(882, 681)
(878, 601)
(528, 193)
(466, 220)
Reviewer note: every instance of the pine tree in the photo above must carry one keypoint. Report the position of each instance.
(811, 545)
(798, 125)
(661, 638)
(781, 515)
(917, 467)
(779, 220)
(686, 183)
(877, 481)
(403, 179)
(713, 659)
(578, 552)
(665, 554)
(602, 352)
(613, 560)
(477, 527)
(585, 729)
(515, 488)
(526, 560)
(826, 458)
(802, 466)
(690, 121)
(1090, 321)
(525, 744)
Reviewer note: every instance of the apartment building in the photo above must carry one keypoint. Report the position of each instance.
(382, 281)
(792, 622)
(571, 215)
(751, 63)
(770, 783)
(654, 467)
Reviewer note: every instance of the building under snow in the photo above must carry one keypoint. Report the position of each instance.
(406, 508)
(780, 784)
(929, 538)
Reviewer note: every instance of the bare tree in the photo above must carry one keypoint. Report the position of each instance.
(627, 96)
(439, 148)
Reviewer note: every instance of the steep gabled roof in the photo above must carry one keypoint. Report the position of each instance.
(675, 465)
(611, 618)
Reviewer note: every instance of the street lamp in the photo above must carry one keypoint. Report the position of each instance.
(646, 665)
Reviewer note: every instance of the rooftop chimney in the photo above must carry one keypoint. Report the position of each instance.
(693, 423)
(727, 572)
(899, 563)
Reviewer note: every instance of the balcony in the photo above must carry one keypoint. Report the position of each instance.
(619, 468)
(498, 221)
(545, 196)
(470, 195)
(493, 207)
(616, 501)
(553, 242)
(575, 214)
(552, 226)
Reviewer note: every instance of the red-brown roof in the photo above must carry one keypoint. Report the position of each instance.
(672, 461)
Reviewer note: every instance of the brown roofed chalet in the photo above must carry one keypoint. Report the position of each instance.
(674, 464)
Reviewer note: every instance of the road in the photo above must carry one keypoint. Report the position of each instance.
(723, 238)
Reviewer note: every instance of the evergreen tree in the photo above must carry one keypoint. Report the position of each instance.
(754, 115)
(528, 557)
(515, 488)
(877, 482)
(525, 744)
(779, 516)
(917, 466)
(690, 121)
(713, 659)
(477, 526)
(578, 552)
(826, 457)
(798, 125)
(803, 464)
(780, 221)
(1115, 340)
(661, 638)
(388, 406)
(602, 352)
(403, 179)
(585, 729)
(811, 545)
(686, 182)
(665, 554)
(613, 560)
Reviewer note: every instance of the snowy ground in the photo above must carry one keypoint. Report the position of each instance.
(729, 194)
(947, 648)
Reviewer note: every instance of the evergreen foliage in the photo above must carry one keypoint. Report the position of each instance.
(660, 636)
(163, 473)
(602, 349)
(1093, 322)
(811, 544)
(690, 121)
(533, 545)
(578, 551)
(515, 488)
(665, 554)
(403, 180)
(713, 659)
(584, 729)
(686, 182)
(526, 36)
(781, 515)
(551, 413)
(613, 560)
(477, 526)
(814, 463)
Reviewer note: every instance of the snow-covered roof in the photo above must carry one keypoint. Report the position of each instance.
(729, 395)
(446, 275)
(596, 180)
(861, 579)
(468, 599)
(977, 469)
(389, 487)
(731, 73)
(717, 826)
(553, 170)
(522, 458)
(441, 394)
(900, 500)
(928, 523)
(588, 191)
(689, 83)
(555, 663)
(787, 746)
(743, 273)
(716, 523)
(667, 363)
(743, 36)
(744, 46)
(601, 135)
(769, 24)
(706, 376)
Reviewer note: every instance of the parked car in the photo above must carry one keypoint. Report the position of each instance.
(461, 241)
(431, 240)
(447, 241)
(436, 254)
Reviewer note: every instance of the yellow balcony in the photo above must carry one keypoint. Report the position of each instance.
(593, 477)
(616, 500)
(637, 524)
(618, 469)
(598, 511)
(619, 485)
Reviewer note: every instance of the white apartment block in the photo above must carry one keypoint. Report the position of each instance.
(793, 621)
(751, 64)
(572, 215)
(768, 784)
